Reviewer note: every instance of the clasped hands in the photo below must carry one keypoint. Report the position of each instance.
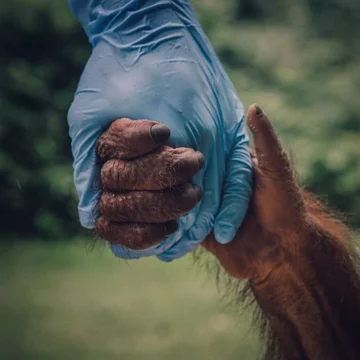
(146, 186)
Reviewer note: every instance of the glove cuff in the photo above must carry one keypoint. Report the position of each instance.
(128, 17)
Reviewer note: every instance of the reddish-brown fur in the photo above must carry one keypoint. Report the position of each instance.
(297, 258)
(295, 255)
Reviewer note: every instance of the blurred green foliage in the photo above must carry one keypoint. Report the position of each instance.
(300, 60)
(45, 52)
(60, 302)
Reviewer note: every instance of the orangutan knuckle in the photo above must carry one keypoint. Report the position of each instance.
(105, 203)
(114, 142)
(101, 227)
(187, 163)
(114, 206)
(114, 174)
(179, 163)
(103, 146)
(106, 171)
(117, 127)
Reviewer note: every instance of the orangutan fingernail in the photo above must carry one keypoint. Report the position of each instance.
(170, 227)
(201, 159)
(259, 112)
(160, 133)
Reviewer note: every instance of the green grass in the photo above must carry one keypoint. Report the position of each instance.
(61, 301)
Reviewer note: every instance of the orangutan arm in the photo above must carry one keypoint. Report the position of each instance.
(297, 259)
(312, 302)
(295, 254)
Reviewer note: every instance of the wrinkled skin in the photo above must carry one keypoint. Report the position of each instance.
(146, 185)
(295, 255)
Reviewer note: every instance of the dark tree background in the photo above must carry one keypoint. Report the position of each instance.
(299, 59)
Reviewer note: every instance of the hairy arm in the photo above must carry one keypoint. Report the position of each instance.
(313, 303)
(308, 305)
(298, 260)
(295, 255)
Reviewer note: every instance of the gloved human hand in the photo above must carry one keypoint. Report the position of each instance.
(151, 60)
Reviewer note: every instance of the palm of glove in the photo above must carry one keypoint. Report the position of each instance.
(175, 78)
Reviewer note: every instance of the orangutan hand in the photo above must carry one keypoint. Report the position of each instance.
(145, 184)
(277, 218)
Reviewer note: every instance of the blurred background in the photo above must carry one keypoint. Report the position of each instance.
(62, 295)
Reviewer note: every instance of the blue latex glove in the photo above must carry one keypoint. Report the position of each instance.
(151, 60)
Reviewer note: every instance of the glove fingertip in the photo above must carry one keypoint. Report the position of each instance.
(224, 234)
(165, 258)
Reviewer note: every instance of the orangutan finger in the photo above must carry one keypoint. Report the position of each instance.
(135, 236)
(269, 152)
(253, 157)
(150, 206)
(126, 139)
(161, 169)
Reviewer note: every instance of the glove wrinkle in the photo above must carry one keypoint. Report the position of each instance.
(151, 60)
